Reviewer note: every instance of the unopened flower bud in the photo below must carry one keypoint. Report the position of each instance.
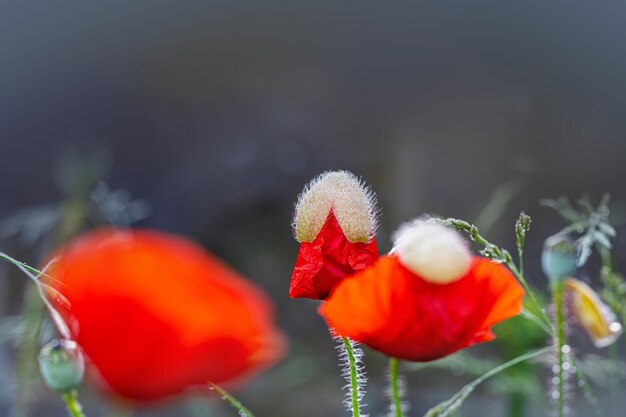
(62, 365)
(346, 197)
(559, 256)
(592, 314)
(435, 252)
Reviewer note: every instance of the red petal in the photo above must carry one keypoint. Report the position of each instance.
(156, 314)
(398, 313)
(323, 263)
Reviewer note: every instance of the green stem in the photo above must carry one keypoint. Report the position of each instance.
(354, 382)
(590, 397)
(520, 277)
(516, 404)
(395, 390)
(607, 270)
(243, 411)
(559, 343)
(26, 365)
(74, 407)
(614, 390)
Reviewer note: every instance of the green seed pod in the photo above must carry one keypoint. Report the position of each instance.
(62, 365)
(559, 256)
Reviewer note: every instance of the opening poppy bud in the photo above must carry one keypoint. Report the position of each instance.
(335, 223)
(62, 365)
(599, 322)
(432, 251)
(558, 259)
(351, 202)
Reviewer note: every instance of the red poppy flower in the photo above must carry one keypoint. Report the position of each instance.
(155, 314)
(449, 304)
(335, 222)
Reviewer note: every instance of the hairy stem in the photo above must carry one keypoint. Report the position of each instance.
(395, 389)
(354, 382)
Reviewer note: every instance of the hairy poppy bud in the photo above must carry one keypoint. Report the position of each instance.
(62, 365)
(343, 194)
(558, 258)
(592, 314)
(335, 223)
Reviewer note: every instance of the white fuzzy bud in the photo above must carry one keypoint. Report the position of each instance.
(351, 201)
(433, 251)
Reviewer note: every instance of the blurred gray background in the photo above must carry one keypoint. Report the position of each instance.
(218, 112)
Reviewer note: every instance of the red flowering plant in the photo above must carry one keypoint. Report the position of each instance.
(430, 297)
(335, 223)
(153, 315)
(149, 316)
(425, 300)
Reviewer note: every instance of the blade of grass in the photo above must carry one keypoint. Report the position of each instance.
(226, 396)
(446, 408)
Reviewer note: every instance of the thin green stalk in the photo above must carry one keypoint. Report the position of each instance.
(607, 268)
(26, 365)
(74, 407)
(243, 411)
(20, 264)
(395, 389)
(614, 390)
(590, 397)
(532, 317)
(452, 404)
(559, 394)
(354, 381)
(520, 277)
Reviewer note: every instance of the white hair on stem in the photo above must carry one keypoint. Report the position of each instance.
(352, 202)
(346, 373)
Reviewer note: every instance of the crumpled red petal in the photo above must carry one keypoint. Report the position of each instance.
(394, 311)
(331, 257)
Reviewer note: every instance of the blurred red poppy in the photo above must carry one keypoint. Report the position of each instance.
(156, 314)
(321, 264)
(393, 310)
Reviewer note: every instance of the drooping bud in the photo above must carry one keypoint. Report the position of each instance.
(62, 365)
(335, 223)
(343, 194)
(595, 317)
(558, 259)
(435, 252)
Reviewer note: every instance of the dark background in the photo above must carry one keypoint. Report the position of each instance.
(219, 112)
